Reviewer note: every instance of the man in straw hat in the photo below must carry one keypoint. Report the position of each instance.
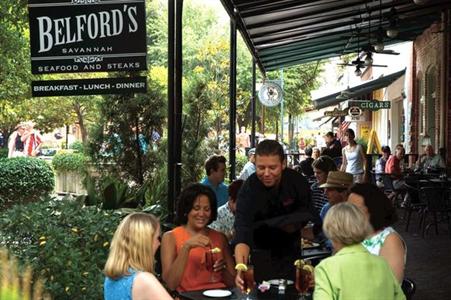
(336, 189)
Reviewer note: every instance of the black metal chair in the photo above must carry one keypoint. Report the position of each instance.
(437, 205)
(413, 204)
(408, 287)
(396, 194)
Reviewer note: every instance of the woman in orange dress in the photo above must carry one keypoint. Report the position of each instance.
(183, 249)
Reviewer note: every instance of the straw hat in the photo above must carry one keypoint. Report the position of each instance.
(338, 179)
(20, 125)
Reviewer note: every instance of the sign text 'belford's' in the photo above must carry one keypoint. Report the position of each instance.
(69, 36)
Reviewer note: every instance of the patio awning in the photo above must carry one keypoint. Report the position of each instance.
(359, 90)
(282, 33)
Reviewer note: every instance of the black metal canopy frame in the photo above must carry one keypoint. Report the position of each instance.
(282, 33)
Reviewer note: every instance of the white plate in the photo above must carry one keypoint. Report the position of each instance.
(217, 293)
(312, 245)
(277, 281)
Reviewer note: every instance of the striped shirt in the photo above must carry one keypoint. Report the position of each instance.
(318, 197)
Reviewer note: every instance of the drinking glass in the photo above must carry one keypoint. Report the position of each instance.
(210, 260)
(249, 282)
(303, 279)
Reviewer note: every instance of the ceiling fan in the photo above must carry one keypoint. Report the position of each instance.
(361, 64)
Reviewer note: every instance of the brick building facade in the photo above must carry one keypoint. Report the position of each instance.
(429, 88)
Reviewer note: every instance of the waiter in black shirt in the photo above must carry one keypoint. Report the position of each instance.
(273, 205)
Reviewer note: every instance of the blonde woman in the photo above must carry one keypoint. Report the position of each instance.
(129, 268)
(353, 272)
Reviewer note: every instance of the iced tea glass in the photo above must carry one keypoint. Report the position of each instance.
(304, 277)
(249, 281)
(210, 260)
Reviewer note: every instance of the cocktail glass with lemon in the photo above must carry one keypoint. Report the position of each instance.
(247, 275)
(210, 260)
(304, 277)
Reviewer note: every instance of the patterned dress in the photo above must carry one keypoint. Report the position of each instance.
(224, 221)
(375, 243)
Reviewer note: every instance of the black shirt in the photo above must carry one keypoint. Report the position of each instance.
(333, 149)
(18, 145)
(262, 211)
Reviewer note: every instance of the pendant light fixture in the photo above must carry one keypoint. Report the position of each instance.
(357, 71)
(379, 46)
(369, 59)
(392, 30)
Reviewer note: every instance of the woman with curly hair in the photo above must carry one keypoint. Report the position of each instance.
(183, 249)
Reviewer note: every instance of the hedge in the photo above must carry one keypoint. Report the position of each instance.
(23, 180)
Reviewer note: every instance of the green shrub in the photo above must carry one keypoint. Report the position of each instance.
(111, 193)
(3, 152)
(69, 162)
(24, 179)
(67, 243)
(77, 146)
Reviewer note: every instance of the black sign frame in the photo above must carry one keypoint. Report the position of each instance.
(372, 105)
(97, 86)
(72, 36)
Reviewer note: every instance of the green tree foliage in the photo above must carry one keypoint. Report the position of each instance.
(124, 132)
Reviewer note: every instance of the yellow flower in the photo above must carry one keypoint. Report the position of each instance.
(42, 243)
(75, 229)
(106, 244)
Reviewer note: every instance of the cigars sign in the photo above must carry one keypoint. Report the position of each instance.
(70, 36)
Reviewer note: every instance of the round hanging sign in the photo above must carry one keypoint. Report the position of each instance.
(270, 94)
(354, 111)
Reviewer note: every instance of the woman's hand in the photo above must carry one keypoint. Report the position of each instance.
(239, 281)
(198, 240)
(220, 265)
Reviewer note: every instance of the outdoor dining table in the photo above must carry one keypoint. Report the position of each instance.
(272, 293)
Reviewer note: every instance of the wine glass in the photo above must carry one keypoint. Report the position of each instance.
(249, 282)
(304, 277)
(210, 260)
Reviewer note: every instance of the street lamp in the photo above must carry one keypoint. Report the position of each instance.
(426, 140)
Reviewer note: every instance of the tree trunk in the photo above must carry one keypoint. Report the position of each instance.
(81, 122)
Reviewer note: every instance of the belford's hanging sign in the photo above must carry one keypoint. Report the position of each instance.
(69, 36)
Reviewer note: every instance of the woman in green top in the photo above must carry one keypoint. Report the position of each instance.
(352, 273)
